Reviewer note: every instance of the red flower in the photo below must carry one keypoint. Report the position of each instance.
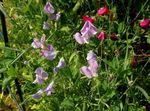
(103, 11)
(134, 62)
(87, 18)
(114, 37)
(101, 36)
(144, 23)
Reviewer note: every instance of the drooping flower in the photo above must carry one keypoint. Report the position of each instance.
(55, 16)
(101, 36)
(48, 8)
(87, 18)
(61, 64)
(46, 26)
(39, 44)
(114, 37)
(87, 31)
(49, 53)
(103, 11)
(49, 89)
(144, 23)
(91, 70)
(40, 76)
(38, 94)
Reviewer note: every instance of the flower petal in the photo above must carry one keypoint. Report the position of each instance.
(48, 8)
(86, 71)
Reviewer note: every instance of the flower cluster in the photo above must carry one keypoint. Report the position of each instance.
(48, 90)
(91, 70)
(86, 33)
(50, 11)
(46, 51)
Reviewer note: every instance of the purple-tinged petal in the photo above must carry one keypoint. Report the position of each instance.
(89, 29)
(55, 70)
(43, 38)
(36, 43)
(39, 70)
(48, 54)
(38, 80)
(38, 94)
(52, 17)
(48, 8)
(46, 26)
(78, 38)
(61, 63)
(86, 71)
(58, 16)
(40, 75)
(91, 55)
(49, 89)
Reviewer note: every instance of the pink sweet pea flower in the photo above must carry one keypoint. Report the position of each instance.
(144, 23)
(87, 18)
(39, 44)
(49, 53)
(40, 75)
(103, 11)
(101, 36)
(49, 89)
(87, 32)
(38, 94)
(48, 8)
(91, 70)
(46, 25)
(60, 65)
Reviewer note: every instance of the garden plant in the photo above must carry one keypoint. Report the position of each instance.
(75, 55)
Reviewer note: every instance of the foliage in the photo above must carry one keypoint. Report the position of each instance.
(123, 77)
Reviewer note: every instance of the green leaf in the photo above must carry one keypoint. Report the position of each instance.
(148, 40)
(144, 93)
(12, 72)
(6, 82)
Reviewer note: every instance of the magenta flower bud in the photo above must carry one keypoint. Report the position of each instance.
(48, 8)
(101, 36)
(144, 23)
(103, 11)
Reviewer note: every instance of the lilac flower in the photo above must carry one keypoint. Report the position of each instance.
(49, 89)
(40, 75)
(46, 26)
(49, 53)
(91, 70)
(38, 94)
(87, 32)
(60, 65)
(48, 8)
(55, 16)
(39, 44)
